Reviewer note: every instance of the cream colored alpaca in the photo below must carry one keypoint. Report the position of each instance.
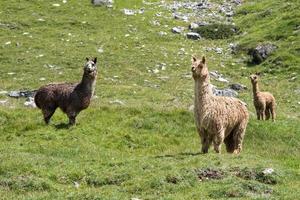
(264, 102)
(218, 119)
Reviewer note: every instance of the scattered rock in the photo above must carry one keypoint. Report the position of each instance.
(76, 184)
(261, 52)
(30, 102)
(18, 94)
(117, 101)
(162, 33)
(237, 87)
(3, 102)
(219, 50)
(128, 11)
(177, 29)
(56, 5)
(107, 3)
(224, 92)
(193, 26)
(268, 171)
(193, 36)
(3, 92)
(217, 76)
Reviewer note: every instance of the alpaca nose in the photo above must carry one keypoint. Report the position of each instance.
(193, 69)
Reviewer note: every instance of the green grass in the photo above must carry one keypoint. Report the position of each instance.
(148, 148)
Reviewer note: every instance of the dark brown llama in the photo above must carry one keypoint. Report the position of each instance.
(70, 98)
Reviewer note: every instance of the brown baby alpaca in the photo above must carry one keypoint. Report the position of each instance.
(70, 98)
(218, 119)
(264, 102)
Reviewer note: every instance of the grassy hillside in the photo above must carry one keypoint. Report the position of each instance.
(146, 148)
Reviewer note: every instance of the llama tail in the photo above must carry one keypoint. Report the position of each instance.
(37, 98)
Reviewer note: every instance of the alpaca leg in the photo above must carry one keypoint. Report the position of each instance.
(239, 136)
(48, 114)
(267, 113)
(218, 140)
(258, 115)
(272, 109)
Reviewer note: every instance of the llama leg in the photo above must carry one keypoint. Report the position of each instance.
(218, 140)
(48, 112)
(239, 133)
(72, 118)
(229, 142)
(205, 140)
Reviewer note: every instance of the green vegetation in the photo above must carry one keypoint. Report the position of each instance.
(217, 31)
(147, 148)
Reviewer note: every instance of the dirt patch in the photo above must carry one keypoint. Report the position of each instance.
(258, 175)
(209, 174)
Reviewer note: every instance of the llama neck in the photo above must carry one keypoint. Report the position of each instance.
(203, 92)
(255, 88)
(87, 85)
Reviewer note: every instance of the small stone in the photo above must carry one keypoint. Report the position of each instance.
(193, 36)
(106, 3)
(56, 5)
(8, 43)
(30, 102)
(42, 79)
(128, 11)
(76, 184)
(268, 171)
(193, 26)
(100, 50)
(162, 33)
(177, 30)
(219, 50)
(117, 101)
(3, 102)
(237, 87)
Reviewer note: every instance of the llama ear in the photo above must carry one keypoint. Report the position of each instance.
(95, 60)
(87, 59)
(203, 59)
(258, 73)
(194, 59)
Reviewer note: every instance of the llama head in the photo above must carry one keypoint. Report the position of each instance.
(90, 67)
(199, 68)
(254, 78)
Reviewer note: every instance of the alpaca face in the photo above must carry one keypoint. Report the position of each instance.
(254, 78)
(199, 68)
(90, 67)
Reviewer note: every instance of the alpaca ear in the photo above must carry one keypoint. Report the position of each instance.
(87, 59)
(258, 73)
(95, 60)
(203, 59)
(194, 59)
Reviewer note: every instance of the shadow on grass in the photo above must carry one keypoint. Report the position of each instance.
(184, 154)
(62, 126)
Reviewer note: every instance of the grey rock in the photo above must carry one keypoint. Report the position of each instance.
(224, 92)
(177, 30)
(18, 94)
(128, 11)
(30, 102)
(217, 76)
(261, 52)
(102, 2)
(117, 101)
(193, 26)
(237, 87)
(193, 36)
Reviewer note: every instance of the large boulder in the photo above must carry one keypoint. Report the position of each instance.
(261, 52)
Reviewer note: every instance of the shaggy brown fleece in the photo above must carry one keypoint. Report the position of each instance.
(218, 119)
(264, 102)
(70, 98)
